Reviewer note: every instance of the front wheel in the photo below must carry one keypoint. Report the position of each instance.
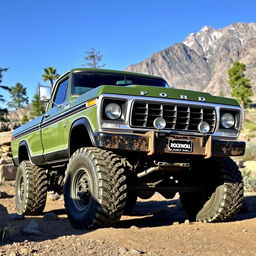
(222, 191)
(94, 188)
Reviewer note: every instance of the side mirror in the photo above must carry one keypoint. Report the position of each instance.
(45, 93)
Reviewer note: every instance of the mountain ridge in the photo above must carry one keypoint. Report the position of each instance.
(202, 60)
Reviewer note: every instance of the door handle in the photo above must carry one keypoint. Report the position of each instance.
(67, 105)
(46, 115)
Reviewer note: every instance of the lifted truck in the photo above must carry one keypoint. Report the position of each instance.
(108, 137)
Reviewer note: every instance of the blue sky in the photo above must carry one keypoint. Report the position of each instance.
(42, 33)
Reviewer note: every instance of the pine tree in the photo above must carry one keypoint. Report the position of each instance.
(3, 111)
(18, 95)
(93, 58)
(241, 86)
(2, 86)
(3, 115)
(37, 107)
(1, 73)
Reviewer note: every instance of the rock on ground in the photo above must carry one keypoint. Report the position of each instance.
(32, 229)
(7, 172)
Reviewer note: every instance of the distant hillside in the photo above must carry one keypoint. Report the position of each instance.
(16, 115)
(201, 61)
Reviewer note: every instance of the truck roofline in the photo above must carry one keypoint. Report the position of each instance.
(74, 70)
(113, 71)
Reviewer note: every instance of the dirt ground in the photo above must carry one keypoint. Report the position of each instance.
(156, 227)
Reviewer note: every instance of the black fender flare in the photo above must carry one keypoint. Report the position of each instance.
(85, 122)
(24, 143)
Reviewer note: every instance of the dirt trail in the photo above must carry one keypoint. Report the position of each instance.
(157, 227)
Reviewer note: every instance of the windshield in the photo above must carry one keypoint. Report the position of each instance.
(85, 81)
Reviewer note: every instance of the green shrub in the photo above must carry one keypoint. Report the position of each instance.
(246, 173)
(249, 184)
(249, 180)
(249, 125)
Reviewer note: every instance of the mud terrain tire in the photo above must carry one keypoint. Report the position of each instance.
(222, 194)
(94, 188)
(30, 189)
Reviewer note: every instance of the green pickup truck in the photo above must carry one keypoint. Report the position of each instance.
(109, 137)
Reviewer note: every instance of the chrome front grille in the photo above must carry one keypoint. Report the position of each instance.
(177, 117)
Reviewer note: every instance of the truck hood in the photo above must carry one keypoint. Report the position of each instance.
(138, 90)
(157, 92)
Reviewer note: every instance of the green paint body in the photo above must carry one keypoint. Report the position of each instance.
(54, 137)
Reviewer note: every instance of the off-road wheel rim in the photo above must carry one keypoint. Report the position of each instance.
(21, 188)
(81, 192)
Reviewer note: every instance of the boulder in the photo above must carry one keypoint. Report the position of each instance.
(5, 138)
(3, 127)
(7, 172)
(13, 125)
(5, 149)
(7, 160)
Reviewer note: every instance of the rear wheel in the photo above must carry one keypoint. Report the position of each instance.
(95, 188)
(30, 189)
(222, 191)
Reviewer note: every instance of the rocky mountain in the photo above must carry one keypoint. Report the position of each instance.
(201, 61)
(16, 115)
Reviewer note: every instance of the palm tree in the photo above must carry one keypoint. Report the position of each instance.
(50, 74)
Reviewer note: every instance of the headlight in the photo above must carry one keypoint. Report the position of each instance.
(227, 120)
(113, 111)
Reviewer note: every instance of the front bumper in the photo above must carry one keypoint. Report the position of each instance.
(157, 143)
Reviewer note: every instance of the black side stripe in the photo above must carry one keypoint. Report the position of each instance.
(51, 121)
(30, 130)
(64, 115)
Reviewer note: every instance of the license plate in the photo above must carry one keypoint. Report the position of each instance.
(180, 145)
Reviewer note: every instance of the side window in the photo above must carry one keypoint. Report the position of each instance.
(61, 93)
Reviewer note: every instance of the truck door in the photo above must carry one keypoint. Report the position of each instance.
(55, 146)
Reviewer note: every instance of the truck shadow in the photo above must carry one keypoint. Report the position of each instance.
(154, 214)
(145, 214)
(248, 210)
(164, 213)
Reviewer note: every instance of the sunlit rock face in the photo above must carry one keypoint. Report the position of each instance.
(201, 61)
